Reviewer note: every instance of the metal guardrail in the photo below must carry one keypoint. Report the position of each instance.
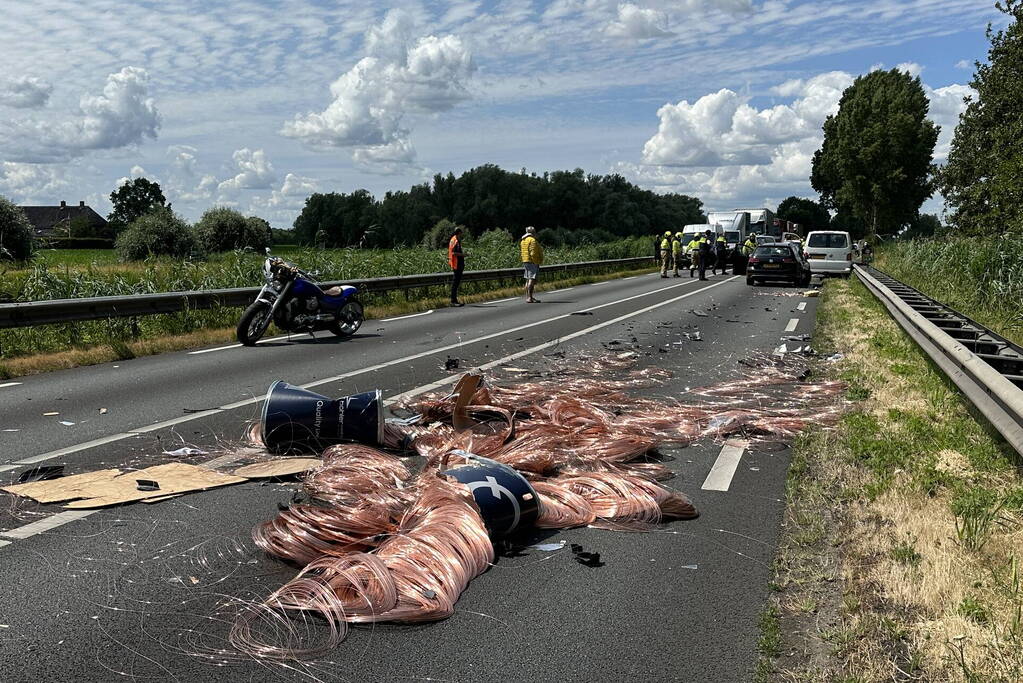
(29, 313)
(984, 365)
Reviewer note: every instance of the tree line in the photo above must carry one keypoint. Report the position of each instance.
(595, 207)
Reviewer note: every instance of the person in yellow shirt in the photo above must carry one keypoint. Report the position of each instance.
(694, 253)
(676, 251)
(532, 259)
(665, 253)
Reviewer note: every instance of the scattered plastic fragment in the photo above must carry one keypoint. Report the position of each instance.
(51, 413)
(11, 430)
(147, 485)
(797, 337)
(835, 357)
(812, 293)
(67, 423)
(689, 566)
(451, 363)
(583, 313)
(548, 547)
(186, 451)
(586, 559)
(41, 473)
(698, 312)
(102, 411)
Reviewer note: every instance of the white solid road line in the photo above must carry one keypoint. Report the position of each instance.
(238, 346)
(801, 306)
(499, 301)
(405, 317)
(9, 384)
(336, 378)
(62, 518)
(720, 476)
(51, 522)
(555, 291)
(605, 282)
(791, 327)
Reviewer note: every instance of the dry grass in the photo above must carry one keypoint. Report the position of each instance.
(903, 524)
(46, 362)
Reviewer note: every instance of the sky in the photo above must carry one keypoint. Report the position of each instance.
(255, 104)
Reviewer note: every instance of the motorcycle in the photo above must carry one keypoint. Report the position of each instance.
(295, 303)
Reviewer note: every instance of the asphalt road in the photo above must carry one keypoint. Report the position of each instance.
(146, 591)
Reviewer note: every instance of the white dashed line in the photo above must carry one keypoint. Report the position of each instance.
(52, 522)
(801, 306)
(555, 291)
(598, 284)
(9, 384)
(405, 317)
(791, 327)
(720, 476)
(499, 301)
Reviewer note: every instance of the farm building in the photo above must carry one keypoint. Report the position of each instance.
(48, 221)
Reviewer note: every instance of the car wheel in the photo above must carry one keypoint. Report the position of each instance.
(751, 281)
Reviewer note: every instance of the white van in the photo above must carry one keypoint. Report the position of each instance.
(699, 229)
(829, 252)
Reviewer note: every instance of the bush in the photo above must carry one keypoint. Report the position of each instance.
(437, 237)
(224, 229)
(158, 233)
(496, 238)
(15, 233)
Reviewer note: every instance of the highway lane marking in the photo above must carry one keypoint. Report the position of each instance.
(720, 476)
(62, 518)
(631, 277)
(354, 373)
(9, 384)
(237, 346)
(802, 306)
(511, 298)
(555, 291)
(606, 282)
(52, 522)
(404, 317)
(791, 327)
(3, 543)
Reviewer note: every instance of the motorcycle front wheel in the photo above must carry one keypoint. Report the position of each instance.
(254, 323)
(349, 319)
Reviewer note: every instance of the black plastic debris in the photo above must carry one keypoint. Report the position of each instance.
(147, 485)
(796, 337)
(41, 473)
(697, 312)
(451, 363)
(583, 313)
(586, 559)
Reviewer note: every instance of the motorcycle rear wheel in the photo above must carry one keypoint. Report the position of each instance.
(254, 323)
(349, 319)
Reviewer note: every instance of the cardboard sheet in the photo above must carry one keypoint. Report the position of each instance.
(63, 488)
(173, 478)
(279, 467)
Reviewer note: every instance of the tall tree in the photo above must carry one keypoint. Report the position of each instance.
(808, 213)
(983, 179)
(875, 162)
(132, 200)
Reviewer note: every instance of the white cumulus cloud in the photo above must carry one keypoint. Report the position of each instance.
(728, 152)
(255, 172)
(26, 92)
(637, 23)
(398, 76)
(31, 183)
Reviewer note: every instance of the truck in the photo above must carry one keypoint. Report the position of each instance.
(762, 221)
(734, 223)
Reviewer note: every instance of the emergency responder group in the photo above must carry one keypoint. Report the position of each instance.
(700, 252)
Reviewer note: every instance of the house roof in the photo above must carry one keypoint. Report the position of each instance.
(45, 218)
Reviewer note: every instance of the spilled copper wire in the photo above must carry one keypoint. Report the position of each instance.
(378, 543)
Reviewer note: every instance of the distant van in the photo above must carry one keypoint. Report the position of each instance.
(699, 229)
(829, 252)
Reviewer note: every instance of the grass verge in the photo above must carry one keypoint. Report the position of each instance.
(121, 350)
(901, 542)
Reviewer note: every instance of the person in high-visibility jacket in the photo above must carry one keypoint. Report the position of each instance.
(694, 253)
(706, 247)
(721, 252)
(676, 251)
(532, 259)
(750, 245)
(665, 253)
(456, 259)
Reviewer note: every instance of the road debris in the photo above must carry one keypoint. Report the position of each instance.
(278, 467)
(548, 547)
(41, 473)
(186, 450)
(67, 423)
(51, 413)
(451, 363)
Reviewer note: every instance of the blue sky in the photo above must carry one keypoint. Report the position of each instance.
(255, 104)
